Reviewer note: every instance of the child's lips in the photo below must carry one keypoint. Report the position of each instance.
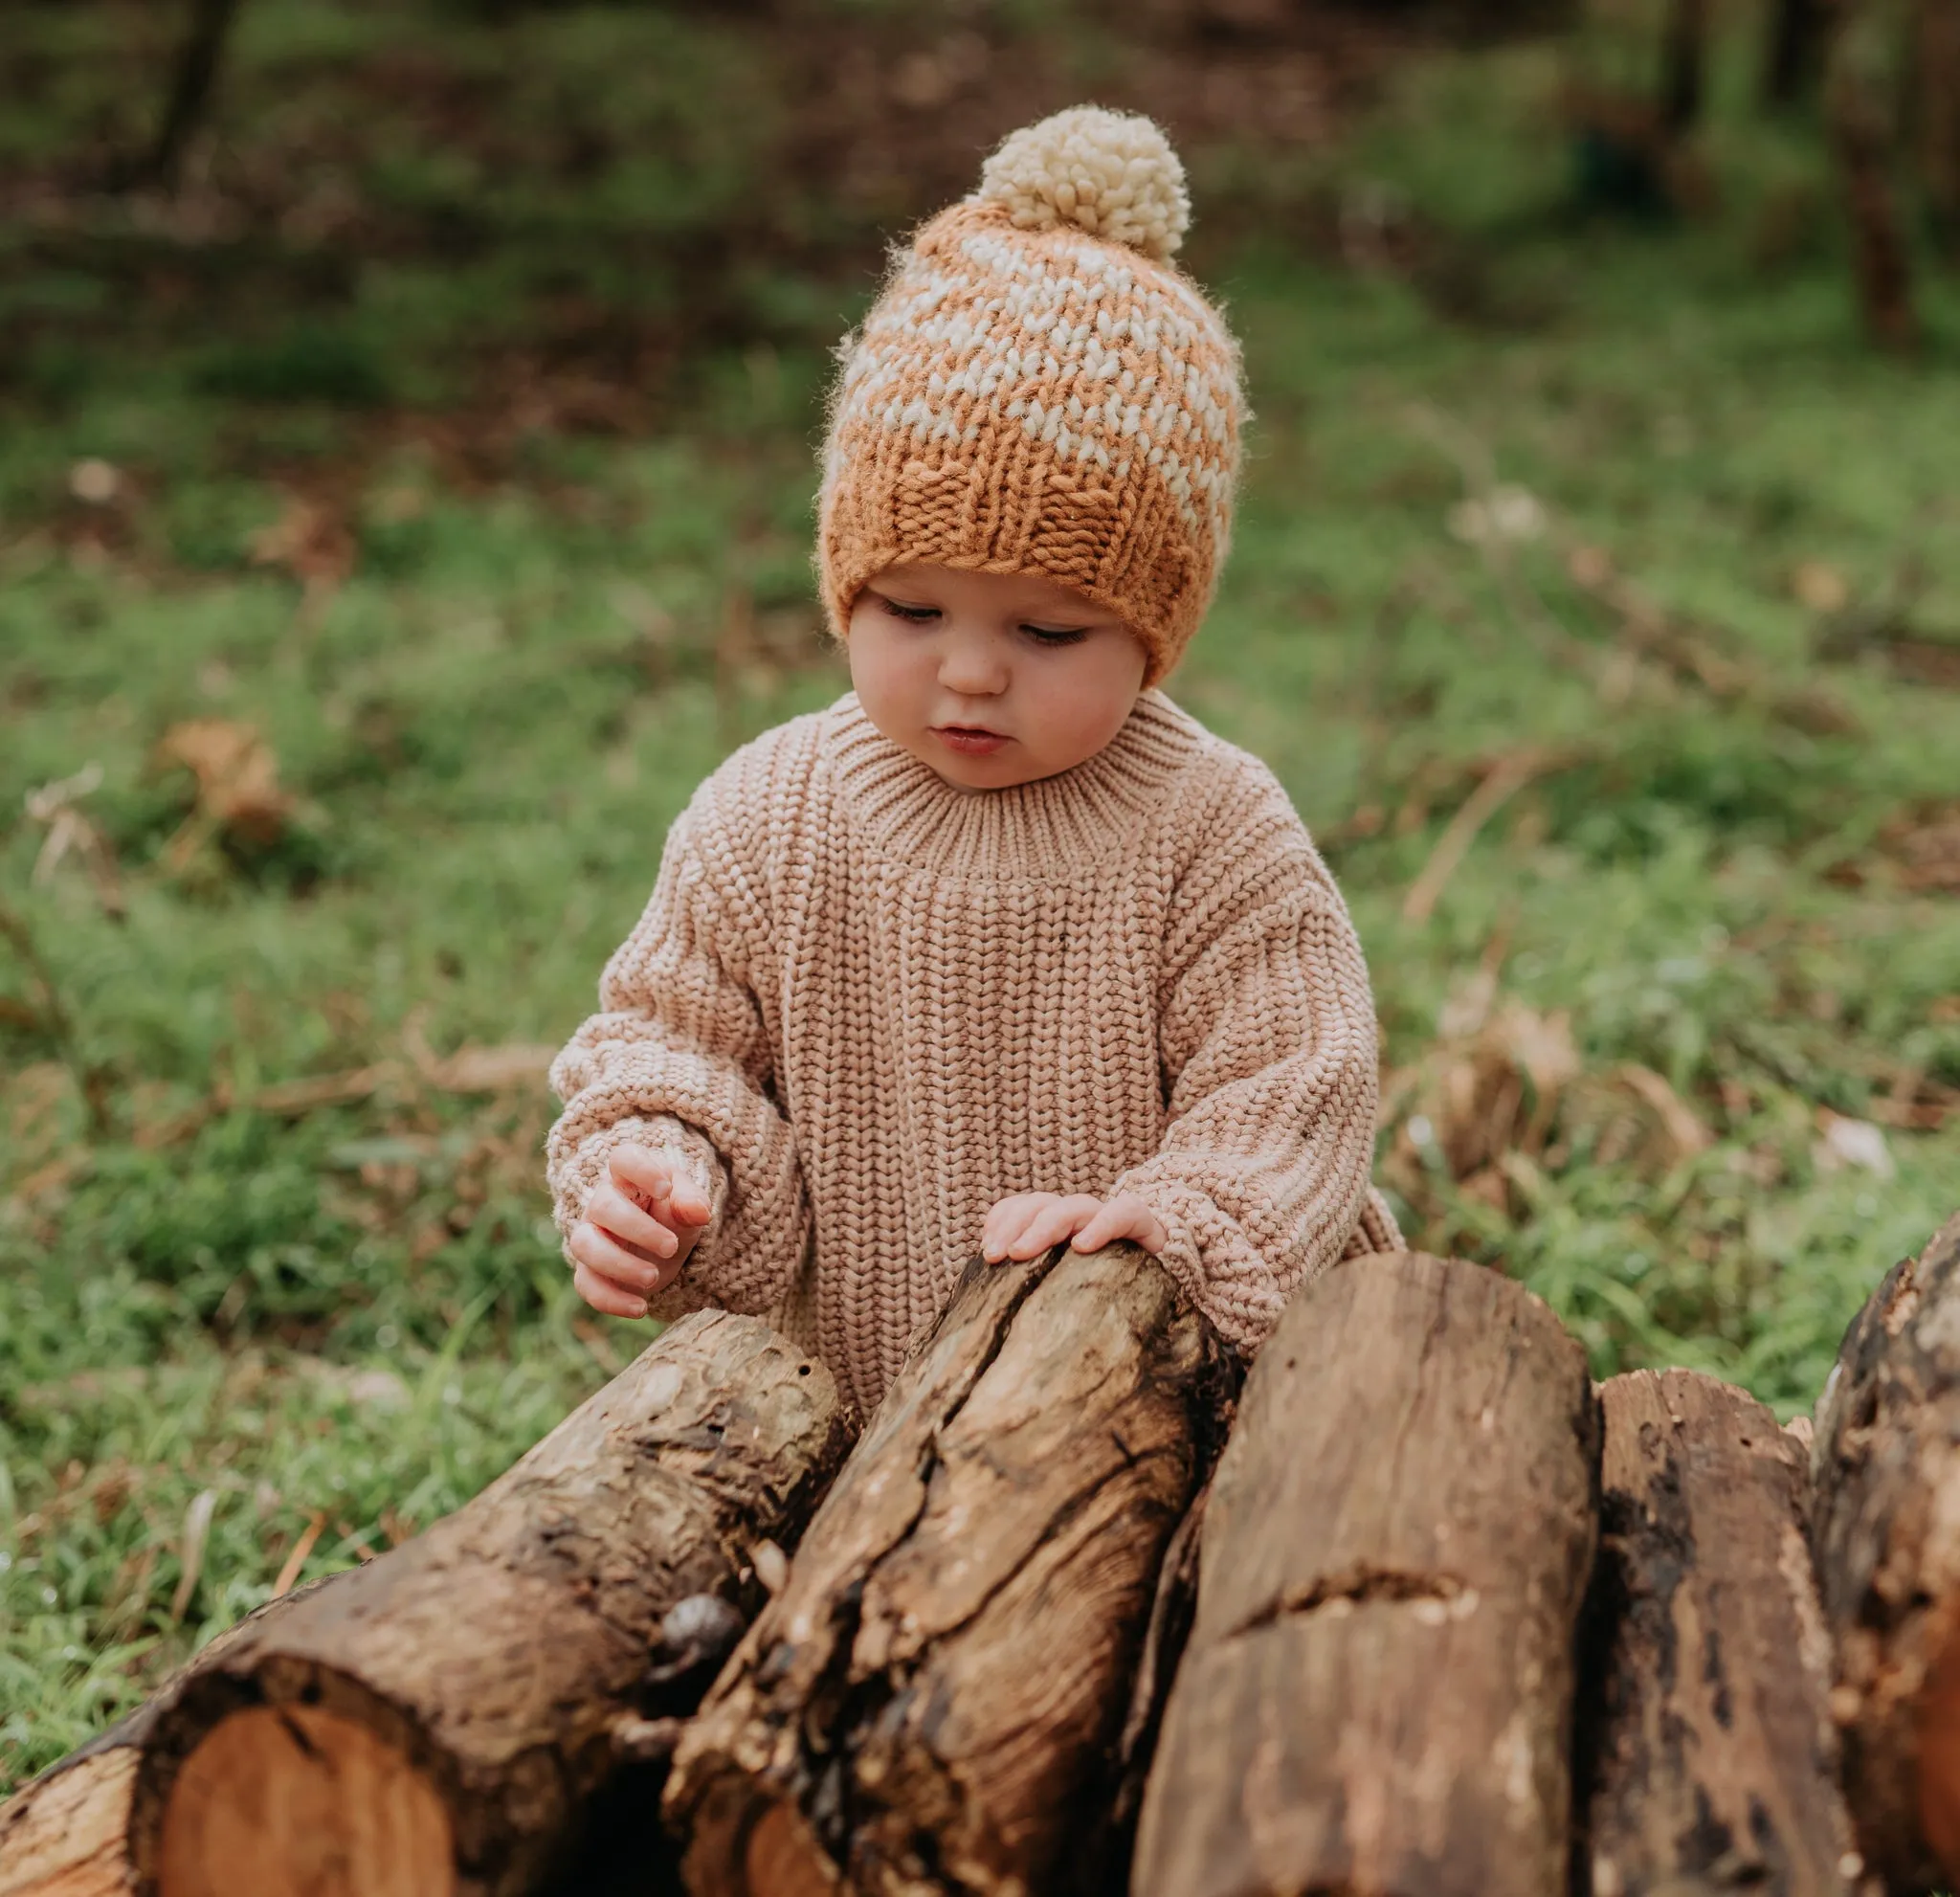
(969, 740)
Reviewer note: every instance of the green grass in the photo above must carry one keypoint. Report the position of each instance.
(355, 1312)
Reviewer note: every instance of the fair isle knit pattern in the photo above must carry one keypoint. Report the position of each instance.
(1039, 390)
(866, 1005)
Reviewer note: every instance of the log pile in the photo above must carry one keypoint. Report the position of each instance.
(1419, 1610)
(440, 1719)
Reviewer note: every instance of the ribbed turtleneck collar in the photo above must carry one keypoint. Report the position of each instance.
(1050, 831)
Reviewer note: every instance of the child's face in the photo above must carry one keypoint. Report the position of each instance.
(935, 653)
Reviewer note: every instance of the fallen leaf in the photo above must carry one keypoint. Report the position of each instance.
(1821, 586)
(237, 781)
(1679, 1121)
(311, 541)
(1852, 1143)
(196, 1532)
(95, 482)
(309, 1536)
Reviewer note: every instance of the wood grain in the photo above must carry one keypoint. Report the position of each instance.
(1885, 1530)
(1376, 1698)
(936, 1702)
(1711, 1756)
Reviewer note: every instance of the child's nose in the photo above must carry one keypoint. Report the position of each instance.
(973, 668)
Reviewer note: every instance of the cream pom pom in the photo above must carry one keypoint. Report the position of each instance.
(1111, 173)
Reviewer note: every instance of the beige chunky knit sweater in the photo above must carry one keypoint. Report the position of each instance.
(867, 1005)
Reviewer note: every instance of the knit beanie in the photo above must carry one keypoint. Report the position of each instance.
(1039, 389)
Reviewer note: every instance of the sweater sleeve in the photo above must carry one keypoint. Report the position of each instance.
(679, 1056)
(1267, 1038)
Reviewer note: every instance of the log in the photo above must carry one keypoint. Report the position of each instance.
(1886, 1532)
(1708, 1757)
(1376, 1698)
(439, 1720)
(937, 1701)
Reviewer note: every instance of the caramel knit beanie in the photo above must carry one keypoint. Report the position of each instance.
(1039, 389)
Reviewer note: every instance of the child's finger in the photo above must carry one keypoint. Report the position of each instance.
(630, 1222)
(1107, 1224)
(1019, 1221)
(604, 1255)
(1050, 1227)
(603, 1295)
(689, 1204)
(640, 1169)
(1006, 1220)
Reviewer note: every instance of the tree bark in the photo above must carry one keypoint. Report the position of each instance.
(1887, 1466)
(1684, 66)
(1795, 59)
(194, 80)
(1705, 1725)
(1863, 139)
(1376, 1698)
(439, 1720)
(937, 1701)
(1938, 115)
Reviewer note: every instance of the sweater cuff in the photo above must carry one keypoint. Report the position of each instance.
(692, 1290)
(1199, 1253)
(586, 1165)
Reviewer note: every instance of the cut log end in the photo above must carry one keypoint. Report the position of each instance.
(784, 1856)
(1939, 1758)
(285, 1801)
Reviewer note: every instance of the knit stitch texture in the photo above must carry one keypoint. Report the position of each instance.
(1039, 390)
(865, 1005)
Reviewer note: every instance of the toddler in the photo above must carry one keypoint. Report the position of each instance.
(1004, 948)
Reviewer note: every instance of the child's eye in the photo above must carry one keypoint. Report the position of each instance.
(1057, 636)
(916, 616)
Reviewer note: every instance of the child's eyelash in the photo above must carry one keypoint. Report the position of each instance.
(918, 615)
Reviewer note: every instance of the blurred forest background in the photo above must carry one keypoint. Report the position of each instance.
(406, 418)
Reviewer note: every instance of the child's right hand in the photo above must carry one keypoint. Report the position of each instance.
(641, 1222)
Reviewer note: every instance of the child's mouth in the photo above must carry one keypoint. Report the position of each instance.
(970, 740)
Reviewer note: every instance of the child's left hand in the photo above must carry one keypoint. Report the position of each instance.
(1027, 1224)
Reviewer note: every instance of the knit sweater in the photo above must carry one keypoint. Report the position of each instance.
(865, 1005)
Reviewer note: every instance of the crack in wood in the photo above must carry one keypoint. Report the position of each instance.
(1360, 1587)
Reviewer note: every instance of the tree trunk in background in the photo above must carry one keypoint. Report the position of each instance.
(1862, 134)
(1888, 1473)
(1706, 1733)
(1378, 1693)
(1937, 62)
(1795, 63)
(937, 1700)
(192, 83)
(439, 1720)
(1685, 66)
